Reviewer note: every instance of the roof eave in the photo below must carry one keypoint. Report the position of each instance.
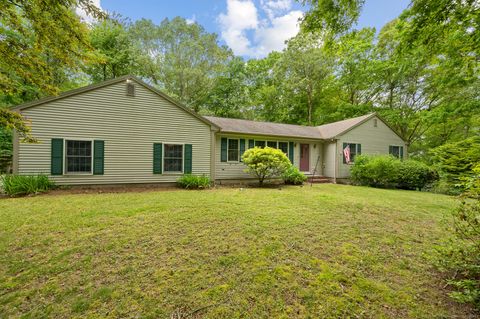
(272, 135)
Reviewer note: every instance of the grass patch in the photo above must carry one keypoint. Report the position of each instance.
(323, 251)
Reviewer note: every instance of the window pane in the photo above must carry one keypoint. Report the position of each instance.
(78, 156)
(283, 146)
(173, 150)
(353, 152)
(173, 165)
(260, 144)
(233, 150)
(272, 144)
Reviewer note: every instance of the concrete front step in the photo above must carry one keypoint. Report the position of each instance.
(318, 179)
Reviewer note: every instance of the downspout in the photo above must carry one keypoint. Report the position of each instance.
(212, 154)
(16, 145)
(335, 162)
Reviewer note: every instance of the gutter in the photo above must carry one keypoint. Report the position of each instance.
(335, 161)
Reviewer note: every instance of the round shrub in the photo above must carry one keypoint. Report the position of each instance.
(265, 163)
(293, 176)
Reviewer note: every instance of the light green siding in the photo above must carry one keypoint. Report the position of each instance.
(235, 170)
(329, 159)
(374, 140)
(128, 125)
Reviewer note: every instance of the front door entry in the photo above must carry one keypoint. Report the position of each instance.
(305, 157)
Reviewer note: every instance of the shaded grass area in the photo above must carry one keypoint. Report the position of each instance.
(323, 251)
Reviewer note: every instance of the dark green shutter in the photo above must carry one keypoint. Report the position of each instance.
(223, 150)
(98, 157)
(290, 151)
(242, 148)
(343, 153)
(390, 150)
(401, 152)
(251, 143)
(157, 158)
(56, 167)
(359, 149)
(187, 159)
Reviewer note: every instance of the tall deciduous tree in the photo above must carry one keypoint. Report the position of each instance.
(186, 56)
(306, 70)
(116, 53)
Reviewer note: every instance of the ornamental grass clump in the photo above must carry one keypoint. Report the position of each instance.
(19, 185)
(265, 163)
(194, 182)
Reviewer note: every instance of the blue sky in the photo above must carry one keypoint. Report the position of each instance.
(252, 28)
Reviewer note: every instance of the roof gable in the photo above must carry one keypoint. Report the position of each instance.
(107, 83)
(335, 129)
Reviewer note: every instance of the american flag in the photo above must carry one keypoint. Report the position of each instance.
(346, 153)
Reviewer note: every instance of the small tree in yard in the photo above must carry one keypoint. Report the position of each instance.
(461, 255)
(265, 163)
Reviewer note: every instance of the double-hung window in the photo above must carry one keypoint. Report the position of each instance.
(173, 158)
(78, 157)
(396, 151)
(233, 150)
(351, 150)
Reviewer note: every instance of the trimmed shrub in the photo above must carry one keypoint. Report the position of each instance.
(293, 176)
(413, 174)
(17, 185)
(375, 171)
(194, 182)
(390, 172)
(265, 163)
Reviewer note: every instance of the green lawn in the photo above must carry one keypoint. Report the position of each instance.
(299, 252)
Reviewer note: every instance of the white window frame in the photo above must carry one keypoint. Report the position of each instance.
(163, 158)
(65, 139)
(238, 150)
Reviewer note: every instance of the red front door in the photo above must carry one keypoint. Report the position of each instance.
(304, 157)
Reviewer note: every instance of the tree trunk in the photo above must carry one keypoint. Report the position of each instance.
(310, 106)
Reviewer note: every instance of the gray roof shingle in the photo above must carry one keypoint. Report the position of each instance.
(326, 131)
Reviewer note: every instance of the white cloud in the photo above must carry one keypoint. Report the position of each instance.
(84, 16)
(275, 7)
(266, 35)
(240, 17)
(191, 20)
(273, 38)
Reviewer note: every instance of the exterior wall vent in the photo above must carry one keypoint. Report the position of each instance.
(130, 88)
(375, 123)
